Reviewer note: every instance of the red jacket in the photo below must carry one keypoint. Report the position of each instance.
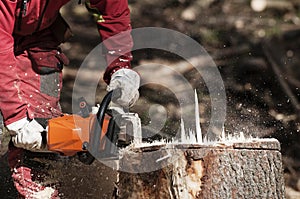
(38, 16)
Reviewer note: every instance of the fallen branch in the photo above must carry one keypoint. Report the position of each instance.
(285, 86)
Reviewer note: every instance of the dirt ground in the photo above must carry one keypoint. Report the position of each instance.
(257, 54)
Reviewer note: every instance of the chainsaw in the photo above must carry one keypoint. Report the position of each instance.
(93, 134)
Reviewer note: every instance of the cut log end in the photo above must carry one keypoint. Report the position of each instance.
(252, 169)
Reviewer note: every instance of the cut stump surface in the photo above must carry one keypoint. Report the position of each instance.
(237, 170)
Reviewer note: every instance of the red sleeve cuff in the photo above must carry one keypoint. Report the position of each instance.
(116, 63)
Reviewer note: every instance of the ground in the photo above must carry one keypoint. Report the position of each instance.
(257, 54)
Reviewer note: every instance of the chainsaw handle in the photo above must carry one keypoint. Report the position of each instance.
(95, 142)
(103, 107)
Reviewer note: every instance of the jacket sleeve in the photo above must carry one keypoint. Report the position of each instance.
(11, 105)
(113, 19)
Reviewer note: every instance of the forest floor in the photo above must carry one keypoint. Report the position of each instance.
(257, 54)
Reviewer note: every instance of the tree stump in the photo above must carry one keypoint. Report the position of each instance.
(250, 169)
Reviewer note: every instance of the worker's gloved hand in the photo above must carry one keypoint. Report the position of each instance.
(26, 134)
(125, 84)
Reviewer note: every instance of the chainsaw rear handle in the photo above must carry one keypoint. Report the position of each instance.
(95, 141)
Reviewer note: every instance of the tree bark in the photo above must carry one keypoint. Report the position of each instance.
(241, 170)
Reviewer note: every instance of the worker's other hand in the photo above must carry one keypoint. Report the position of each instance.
(26, 134)
(125, 84)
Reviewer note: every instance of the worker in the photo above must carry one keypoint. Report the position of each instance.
(31, 73)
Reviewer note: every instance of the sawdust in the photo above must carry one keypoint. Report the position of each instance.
(47, 193)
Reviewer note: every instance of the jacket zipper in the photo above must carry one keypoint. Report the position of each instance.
(41, 17)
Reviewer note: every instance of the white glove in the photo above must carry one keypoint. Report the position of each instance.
(26, 134)
(125, 83)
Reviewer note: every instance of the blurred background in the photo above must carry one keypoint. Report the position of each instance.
(256, 47)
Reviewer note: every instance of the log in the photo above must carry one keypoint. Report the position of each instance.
(247, 169)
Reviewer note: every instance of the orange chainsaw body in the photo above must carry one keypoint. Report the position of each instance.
(67, 134)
